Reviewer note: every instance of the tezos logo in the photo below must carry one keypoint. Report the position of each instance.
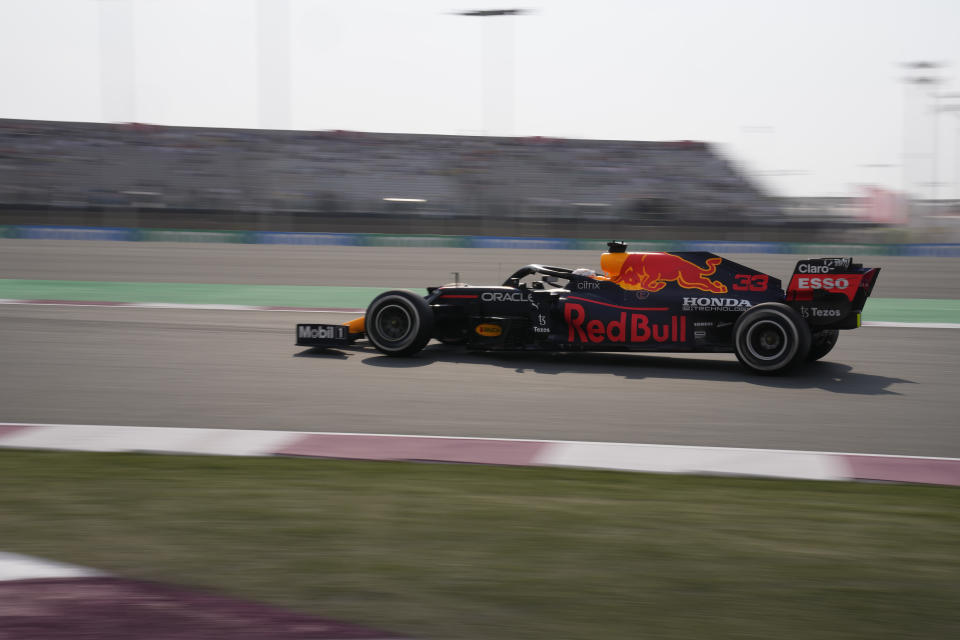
(505, 296)
(816, 312)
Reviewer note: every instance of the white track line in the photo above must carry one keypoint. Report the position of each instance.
(481, 438)
(14, 566)
(247, 307)
(236, 307)
(176, 305)
(92, 437)
(913, 325)
(807, 465)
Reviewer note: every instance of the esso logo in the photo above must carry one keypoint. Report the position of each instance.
(822, 283)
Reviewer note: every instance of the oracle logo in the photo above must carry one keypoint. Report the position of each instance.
(509, 296)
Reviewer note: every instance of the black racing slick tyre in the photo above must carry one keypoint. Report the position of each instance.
(399, 323)
(771, 338)
(822, 343)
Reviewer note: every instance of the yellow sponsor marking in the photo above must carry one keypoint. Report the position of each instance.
(489, 330)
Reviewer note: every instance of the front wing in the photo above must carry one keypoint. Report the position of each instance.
(325, 335)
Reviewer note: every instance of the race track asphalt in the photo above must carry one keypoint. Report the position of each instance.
(411, 267)
(882, 390)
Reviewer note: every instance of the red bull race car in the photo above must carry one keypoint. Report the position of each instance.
(649, 301)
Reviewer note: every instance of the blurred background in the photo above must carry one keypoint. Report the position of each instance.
(690, 119)
(217, 132)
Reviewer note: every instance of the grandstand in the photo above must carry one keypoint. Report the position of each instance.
(88, 173)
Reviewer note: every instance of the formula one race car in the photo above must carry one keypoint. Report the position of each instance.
(651, 301)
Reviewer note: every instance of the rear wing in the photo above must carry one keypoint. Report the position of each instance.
(831, 292)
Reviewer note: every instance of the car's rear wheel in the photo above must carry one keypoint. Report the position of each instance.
(399, 323)
(771, 338)
(822, 343)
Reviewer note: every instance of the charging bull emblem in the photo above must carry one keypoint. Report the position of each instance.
(652, 272)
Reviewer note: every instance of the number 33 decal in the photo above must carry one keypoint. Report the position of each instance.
(747, 282)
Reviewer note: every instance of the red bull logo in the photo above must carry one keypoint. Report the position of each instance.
(627, 327)
(652, 272)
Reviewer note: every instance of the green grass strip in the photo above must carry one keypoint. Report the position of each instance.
(190, 293)
(447, 551)
(912, 310)
(878, 309)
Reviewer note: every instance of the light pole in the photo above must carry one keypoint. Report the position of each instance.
(875, 170)
(922, 74)
(955, 110)
(118, 65)
(956, 157)
(488, 72)
(273, 63)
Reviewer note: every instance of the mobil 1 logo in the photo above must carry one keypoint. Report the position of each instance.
(313, 332)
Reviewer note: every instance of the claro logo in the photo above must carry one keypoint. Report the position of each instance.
(826, 267)
(488, 330)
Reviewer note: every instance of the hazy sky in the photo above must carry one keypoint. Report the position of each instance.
(806, 94)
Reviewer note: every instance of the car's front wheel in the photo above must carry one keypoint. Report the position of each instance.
(771, 338)
(399, 323)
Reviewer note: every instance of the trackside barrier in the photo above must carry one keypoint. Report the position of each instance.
(929, 250)
(124, 234)
(502, 242)
(635, 245)
(43, 232)
(725, 246)
(284, 237)
(188, 235)
(845, 249)
(377, 240)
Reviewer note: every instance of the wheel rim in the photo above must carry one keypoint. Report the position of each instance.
(393, 323)
(766, 340)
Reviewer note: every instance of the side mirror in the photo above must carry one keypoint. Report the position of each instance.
(552, 280)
